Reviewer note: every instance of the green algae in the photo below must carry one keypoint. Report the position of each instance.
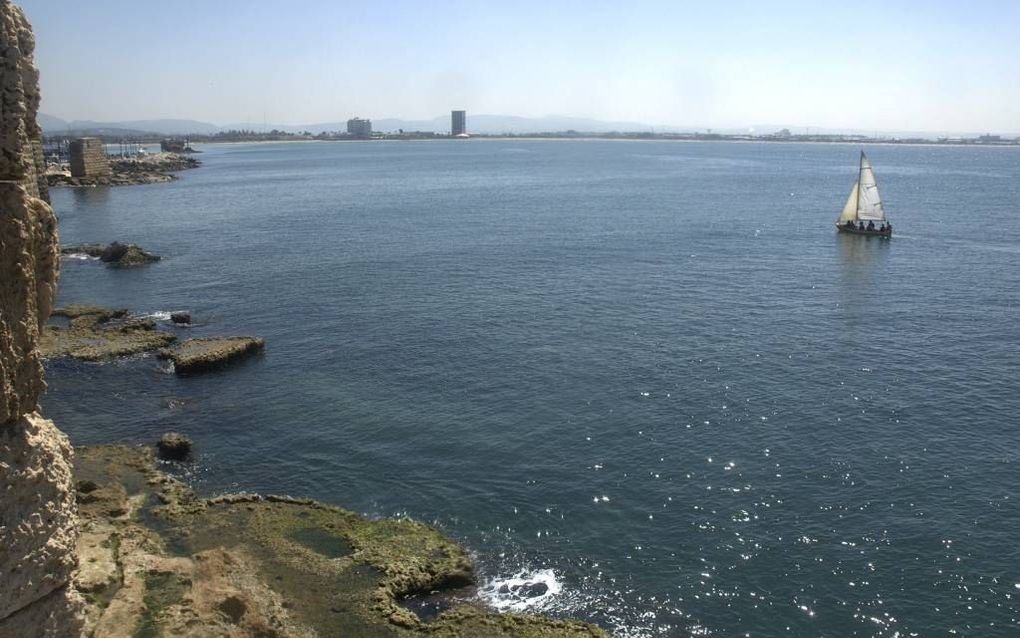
(162, 590)
(322, 541)
(95, 333)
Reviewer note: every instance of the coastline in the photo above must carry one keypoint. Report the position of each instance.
(156, 559)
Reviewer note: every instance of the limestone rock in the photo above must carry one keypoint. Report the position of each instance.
(95, 333)
(38, 519)
(206, 353)
(57, 615)
(28, 275)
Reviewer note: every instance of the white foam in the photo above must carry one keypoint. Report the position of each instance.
(81, 256)
(159, 315)
(518, 592)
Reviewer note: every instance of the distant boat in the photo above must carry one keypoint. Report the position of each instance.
(863, 213)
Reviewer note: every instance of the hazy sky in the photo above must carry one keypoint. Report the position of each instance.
(934, 65)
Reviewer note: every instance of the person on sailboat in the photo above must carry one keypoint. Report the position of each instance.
(860, 226)
(871, 225)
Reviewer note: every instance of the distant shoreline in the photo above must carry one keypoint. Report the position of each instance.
(596, 138)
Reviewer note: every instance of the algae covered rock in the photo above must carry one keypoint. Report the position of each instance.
(243, 564)
(95, 333)
(208, 353)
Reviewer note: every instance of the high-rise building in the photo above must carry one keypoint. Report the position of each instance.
(458, 123)
(358, 127)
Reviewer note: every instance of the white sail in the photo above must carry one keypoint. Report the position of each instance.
(850, 210)
(869, 204)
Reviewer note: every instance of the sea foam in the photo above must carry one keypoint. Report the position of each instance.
(524, 591)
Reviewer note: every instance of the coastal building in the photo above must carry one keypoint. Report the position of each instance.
(88, 158)
(359, 128)
(458, 123)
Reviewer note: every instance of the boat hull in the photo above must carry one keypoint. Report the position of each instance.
(869, 233)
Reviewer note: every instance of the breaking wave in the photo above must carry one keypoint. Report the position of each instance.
(524, 591)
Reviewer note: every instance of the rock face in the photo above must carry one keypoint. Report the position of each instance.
(38, 519)
(38, 526)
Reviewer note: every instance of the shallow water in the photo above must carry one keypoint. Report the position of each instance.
(648, 375)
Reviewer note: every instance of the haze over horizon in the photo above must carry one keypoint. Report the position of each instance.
(911, 67)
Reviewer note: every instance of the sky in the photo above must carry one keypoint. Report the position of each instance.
(902, 66)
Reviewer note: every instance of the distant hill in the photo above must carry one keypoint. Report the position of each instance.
(49, 124)
(54, 126)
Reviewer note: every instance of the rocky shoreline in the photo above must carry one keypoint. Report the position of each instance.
(157, 560)
(144, 169)
(116, 254)
(95, 333)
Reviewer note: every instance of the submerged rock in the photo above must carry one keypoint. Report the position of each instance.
(207, 353)
(174, 446)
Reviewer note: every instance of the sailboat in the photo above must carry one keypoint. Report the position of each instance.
(863, 213)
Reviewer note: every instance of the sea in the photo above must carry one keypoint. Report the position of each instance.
(646, 383)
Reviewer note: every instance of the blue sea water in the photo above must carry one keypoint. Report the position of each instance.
(649, 375)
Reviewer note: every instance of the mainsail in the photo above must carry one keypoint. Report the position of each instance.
(864, 202)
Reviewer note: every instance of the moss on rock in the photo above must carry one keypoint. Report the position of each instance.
(95, 333)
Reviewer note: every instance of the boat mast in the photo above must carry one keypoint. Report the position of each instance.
(860, 172)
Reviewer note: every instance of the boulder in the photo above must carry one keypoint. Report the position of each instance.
(126, 255)
(180, 317)
(174, 446)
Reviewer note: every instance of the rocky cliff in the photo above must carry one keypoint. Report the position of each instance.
(38, 519)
